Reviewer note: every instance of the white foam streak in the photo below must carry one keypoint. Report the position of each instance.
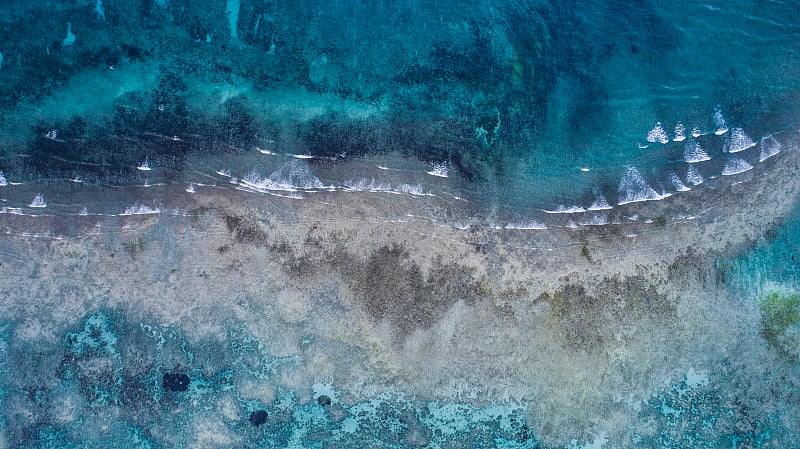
(735, 166)
(561, 209)
(769, 147)
(526, 225)
(738, 141)
(693, 152)
(633, 188)
(140, 209)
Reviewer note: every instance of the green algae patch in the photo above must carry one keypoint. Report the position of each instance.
(780, 323)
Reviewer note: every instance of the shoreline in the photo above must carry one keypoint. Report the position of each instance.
(420, 307)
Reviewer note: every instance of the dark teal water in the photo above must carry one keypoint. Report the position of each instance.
(524, 105)
(533, 104)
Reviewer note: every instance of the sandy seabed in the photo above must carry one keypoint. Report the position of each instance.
(379, 292)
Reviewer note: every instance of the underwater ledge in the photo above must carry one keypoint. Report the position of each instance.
(576, 329)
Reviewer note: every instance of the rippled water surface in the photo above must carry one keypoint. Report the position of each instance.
(248, 223)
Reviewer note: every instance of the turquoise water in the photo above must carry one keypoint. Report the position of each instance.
(100, 398)
(514, 107)
(533, 103)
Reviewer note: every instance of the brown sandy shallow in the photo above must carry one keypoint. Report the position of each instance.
(578, 324)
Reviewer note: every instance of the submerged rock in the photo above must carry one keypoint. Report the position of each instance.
(258, 417)
(176, 382)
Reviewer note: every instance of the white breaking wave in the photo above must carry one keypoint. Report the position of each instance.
(680, 132)
(368, 185)
(738, 141)
(38, 201)
(696, 132)
(561, 209)
(633, 188)
(439, 170)
(595, 220)
(769, 147)
(735, 166)
(292, 176)
(144, 166)
(719, 122)
(412, 190)
(600, 202)
(264, 151)
(140, 209)
(3, 180)
(657, 134)
(677, 183)
(693, 152)
(533, 224)
(693, 176)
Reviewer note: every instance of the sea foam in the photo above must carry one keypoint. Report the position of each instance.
(735, 166)
(594, 220)
(439, 170)
(600, 202)
(633, 188)
(693, 152)
(693, 176)
(769, 147)
(719, 122)
(140, 209)
(680, 132)
(292, 176)
(561, 209)
(657, 134)
(38, 201)
(738, 141)
(678, 184)
(526, 225)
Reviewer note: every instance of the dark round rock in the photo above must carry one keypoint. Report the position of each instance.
(176, 382)
(324, 400)
(258, 417)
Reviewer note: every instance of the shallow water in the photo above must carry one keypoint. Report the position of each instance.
(398, 224)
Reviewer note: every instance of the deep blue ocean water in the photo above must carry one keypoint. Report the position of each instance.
(517, 107)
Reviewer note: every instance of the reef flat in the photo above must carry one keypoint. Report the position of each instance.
(576, 325)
